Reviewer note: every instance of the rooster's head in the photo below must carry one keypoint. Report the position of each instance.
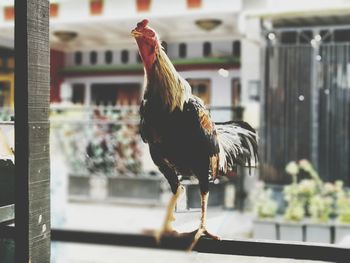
(147, 41)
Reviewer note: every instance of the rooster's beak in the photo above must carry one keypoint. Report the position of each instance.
(135, 33)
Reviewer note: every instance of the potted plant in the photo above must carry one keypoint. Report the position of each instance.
(310, 198)
(342, 225)
(319, 204)
(291, 227)
(265, 208)
(318, 228)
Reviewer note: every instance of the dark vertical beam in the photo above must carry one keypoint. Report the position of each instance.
(21, 132)
(32, 212)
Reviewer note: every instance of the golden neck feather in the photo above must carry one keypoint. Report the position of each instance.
(164, 80)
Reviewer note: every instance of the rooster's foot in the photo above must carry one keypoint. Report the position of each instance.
(201, 232)
(164, 232)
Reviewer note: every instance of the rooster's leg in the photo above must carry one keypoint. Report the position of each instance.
(169, 217)
(202, 230)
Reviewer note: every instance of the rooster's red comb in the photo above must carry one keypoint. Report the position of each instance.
(142, 24)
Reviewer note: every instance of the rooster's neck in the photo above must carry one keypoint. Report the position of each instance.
(147, 53)
(164, 81)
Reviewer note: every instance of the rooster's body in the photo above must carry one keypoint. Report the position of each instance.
(182, 138)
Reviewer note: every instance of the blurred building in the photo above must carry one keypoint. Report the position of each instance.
(6, 77)
(216, 45)
(98, 62)
(94, 60)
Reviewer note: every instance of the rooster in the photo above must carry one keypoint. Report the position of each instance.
(181, 136)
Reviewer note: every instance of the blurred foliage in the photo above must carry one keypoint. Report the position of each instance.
(312, 197)
(264, 205)
(6, 113)
(99, 140)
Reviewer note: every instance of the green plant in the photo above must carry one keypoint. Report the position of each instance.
(343, 207)
(264, 205)
(295, 210)
(320, 208)
(307, 167)
(313, 197)
(299, 194)
(292, 168)
(306, 189)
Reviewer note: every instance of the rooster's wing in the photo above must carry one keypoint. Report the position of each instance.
(205, 130)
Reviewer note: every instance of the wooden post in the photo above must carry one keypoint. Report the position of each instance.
(32, 166)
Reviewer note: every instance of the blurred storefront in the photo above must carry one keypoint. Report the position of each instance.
(6, 82)
(96, 79)
(97, 74)
(96, 71)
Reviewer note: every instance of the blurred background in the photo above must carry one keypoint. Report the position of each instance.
(282, 66)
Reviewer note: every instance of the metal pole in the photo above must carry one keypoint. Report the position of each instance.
(315, 53)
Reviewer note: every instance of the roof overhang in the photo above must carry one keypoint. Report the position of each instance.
(304, 17)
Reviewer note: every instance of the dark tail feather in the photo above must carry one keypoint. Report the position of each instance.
(238, 144)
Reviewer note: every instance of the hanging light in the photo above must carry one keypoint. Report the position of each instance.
(65, 36)
(208, 24)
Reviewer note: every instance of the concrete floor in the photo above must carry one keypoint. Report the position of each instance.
(136, 219)
(133, 219)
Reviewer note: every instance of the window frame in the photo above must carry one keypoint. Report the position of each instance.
(93, 57)
(164, 45)
(108, 57)
(195, 83)
(124, 56)
(237, 48)
(78, 58)
(207, 49)
(182, 50)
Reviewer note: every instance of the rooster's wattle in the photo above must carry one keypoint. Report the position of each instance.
(181, 135)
